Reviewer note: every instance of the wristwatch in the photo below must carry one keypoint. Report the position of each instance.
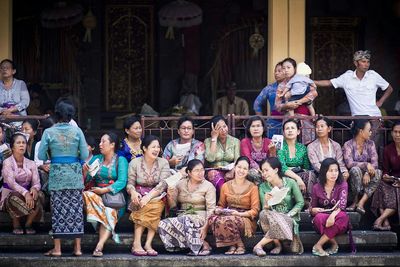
(213, 139)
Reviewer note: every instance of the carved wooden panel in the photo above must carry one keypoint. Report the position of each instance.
(129, 56)
(333, 42)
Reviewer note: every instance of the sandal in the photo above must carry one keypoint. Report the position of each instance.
(204, 252)
(259, 252)
(97, 253)
(29, 230)
(18, 231)
(332, 250)
(316, 252)
(276, 250)
(51, 253)
(361, 211)
(77, 253)
(151, 252)
(240, 251)
(138, 253)
(231, 250)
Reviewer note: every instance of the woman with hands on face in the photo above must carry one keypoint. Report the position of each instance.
(110, 178)
(20, 194)
(195, 197)
(221, 149)
(329, 193)
(146, 182)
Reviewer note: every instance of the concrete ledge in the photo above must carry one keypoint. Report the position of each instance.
(123, 260)
(364, 240)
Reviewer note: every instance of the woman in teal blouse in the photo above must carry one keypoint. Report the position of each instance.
(111, 178)
(294, 159)
(280, 221)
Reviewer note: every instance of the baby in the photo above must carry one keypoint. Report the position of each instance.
(299, 86)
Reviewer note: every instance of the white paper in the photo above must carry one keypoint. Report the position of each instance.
(228, 167)
(277, 139)
(182, 150)
(173, 179)
(94, 167)
(3, 148)
(277, 195)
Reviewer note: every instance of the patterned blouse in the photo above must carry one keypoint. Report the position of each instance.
(18, 95)
(319, 198)
(353, 159)
(291, 204)
(222, 157)
(196, 152)
(300, 158)
(140, 175)
(255, 156)
(129, 153)
(316, 154)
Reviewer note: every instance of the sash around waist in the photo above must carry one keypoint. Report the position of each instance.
(65, 159)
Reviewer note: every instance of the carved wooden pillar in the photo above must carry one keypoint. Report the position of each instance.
(129, 56)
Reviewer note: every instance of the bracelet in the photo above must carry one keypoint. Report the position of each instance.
(213, 139)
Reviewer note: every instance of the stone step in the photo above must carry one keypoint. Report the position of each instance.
(364, 240)
(178, 260)
(124, 224)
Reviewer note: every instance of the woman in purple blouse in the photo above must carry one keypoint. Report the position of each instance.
(361, 159)
(328, 204)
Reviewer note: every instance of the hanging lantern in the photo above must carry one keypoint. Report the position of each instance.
(89, 22)
(61, 15)
(256, 41)
(179, 14)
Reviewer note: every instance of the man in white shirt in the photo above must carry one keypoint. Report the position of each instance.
(361, 86)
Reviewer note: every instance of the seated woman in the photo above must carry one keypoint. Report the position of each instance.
(330, 193)
(146, 183)
(30, 128)
(294, 159)
(256, 147)
(221, 150)
(177, 158)
(386, 199)
(110, 178)
(238, 206)
(131, 145)
(20, 194)
(5, 151)
(196, 199)
(361, 159)
(323, 147)
(279, 222)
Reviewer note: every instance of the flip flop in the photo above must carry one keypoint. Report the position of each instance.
(18, 231)
(361, 211)
(231, 250)
(51, 253)
(139, 253)
(259, 252)
(322, 253)
(332, 251)
(77, 253)
(29, 230)
(240, 251)
(97, 253)
(151, 253)
(276, 250)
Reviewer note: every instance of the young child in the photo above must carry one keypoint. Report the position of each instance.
(299, 86)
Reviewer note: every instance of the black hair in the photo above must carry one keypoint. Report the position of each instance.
(274, 163)
(280, 63)
(183, 119)
(14, 138)
(291, 61)
(8, 61)
(113, 137)
(325, 119)
(358, 125)
(147, 140)
(242, 158)
(324, 169)
(193, 163)
(214, 120)
(64, 110)
(291, 120)
(250, 121)
(91, 141)
(35, 125)
(48, 122)
(396, 123)
(129, 121)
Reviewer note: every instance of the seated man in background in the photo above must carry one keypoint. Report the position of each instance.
(231, 104)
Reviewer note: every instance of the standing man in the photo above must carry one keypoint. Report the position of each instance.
(231, 104)
(361, 86)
